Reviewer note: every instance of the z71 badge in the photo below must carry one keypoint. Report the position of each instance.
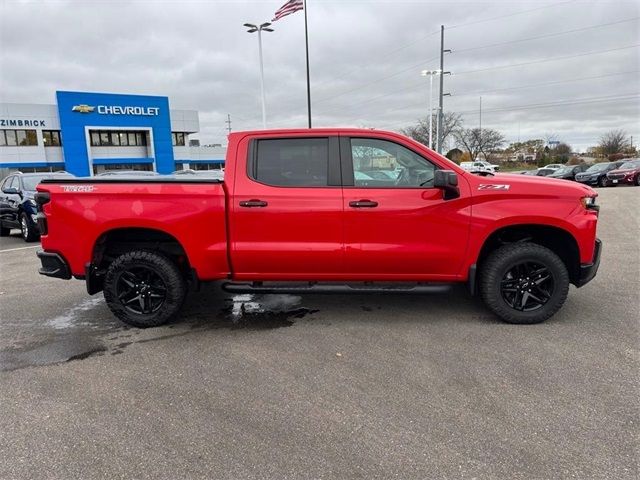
(77, 188)
(493, 186)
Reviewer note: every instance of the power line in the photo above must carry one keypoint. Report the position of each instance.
(377, 60)
(378, 80)
(560, 103)
(510, 14)
(578, 101)
(566, 32)
(482, 92)
(545, 84)
(499, 67)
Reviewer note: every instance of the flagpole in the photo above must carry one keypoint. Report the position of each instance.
(306, 42)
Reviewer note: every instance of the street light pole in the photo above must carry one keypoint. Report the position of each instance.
(252, 29)
(430, 74)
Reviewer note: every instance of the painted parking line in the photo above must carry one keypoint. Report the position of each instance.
(19, 248)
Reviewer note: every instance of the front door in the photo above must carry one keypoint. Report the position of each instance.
(397, 226)
(10, 201)
(286, 220)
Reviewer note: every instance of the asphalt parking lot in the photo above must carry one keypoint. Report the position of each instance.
(282, 386)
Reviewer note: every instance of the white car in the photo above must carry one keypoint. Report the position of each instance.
(479, 167)
(553, 166)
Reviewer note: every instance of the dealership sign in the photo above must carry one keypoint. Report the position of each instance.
(4, 122)
(118, 110)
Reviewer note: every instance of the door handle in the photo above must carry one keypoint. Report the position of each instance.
(253, 203)
(363, 204)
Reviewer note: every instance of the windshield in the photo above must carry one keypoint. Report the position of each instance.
(630, 165)
(563, 170)
(29, 183)
(598, 167)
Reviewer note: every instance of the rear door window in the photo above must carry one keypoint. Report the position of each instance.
(291, 162)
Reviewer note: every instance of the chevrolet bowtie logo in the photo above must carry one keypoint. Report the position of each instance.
(83, 108)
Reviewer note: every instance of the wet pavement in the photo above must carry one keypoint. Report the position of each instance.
(323, 386)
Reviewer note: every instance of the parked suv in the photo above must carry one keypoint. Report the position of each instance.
(569, 172)
(629, 172)
(17, 207)
(596, 174)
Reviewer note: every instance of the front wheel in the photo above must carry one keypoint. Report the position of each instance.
(602, 182)
(637, 182)
(144, 288)
(524, 283)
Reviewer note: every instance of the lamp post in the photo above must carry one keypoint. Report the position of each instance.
(260, 28)
(430, 74)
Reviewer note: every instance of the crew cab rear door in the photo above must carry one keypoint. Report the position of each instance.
(397, 225)
(286, 208)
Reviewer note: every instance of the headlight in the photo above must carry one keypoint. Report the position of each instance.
(589, 203)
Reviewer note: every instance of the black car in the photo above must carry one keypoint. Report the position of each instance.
(569, 172)
(596, 174)
(17, 207)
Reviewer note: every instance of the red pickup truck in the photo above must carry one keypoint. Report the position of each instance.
(322, 210)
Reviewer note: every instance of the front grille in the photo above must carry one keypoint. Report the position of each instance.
(615, 176)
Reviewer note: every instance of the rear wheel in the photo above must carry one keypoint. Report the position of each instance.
(524, 283)
(144, 289)
(28, 229)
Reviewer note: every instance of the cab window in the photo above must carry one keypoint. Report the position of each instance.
(384, 164)
(291, 162)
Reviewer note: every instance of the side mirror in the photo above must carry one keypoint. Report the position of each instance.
(447, 180)
(11, 191)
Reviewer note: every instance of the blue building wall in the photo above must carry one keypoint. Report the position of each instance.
(78, 110)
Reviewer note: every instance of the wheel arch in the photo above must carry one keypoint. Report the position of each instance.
(117, 241)
(556, 239)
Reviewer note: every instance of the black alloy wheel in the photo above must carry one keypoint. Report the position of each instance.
(141, 290)
(527, 286)
(523, 282)
(144, 288)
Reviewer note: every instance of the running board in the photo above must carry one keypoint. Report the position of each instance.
(314, 287)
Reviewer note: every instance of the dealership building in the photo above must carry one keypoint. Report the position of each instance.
(89, 133)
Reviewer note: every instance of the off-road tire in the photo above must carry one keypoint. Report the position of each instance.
(501, 260)
(28, 230)
(163, 267)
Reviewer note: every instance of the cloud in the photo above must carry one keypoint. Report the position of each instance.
(365, 61)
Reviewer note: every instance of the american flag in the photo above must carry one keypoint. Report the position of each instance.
(288, 8)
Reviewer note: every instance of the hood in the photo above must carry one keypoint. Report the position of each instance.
(626, 171)
(529, 185)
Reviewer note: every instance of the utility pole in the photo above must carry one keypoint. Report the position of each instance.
(228, 122)
(481, 116)
(439, 136)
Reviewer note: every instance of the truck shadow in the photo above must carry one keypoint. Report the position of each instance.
(88, 329)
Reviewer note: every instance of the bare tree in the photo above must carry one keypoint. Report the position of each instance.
(420, 133)
(477, 141)
(613, 141)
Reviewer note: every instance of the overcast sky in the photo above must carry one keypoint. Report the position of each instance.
(365, 55)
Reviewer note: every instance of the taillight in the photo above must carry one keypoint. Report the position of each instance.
(41, 198)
